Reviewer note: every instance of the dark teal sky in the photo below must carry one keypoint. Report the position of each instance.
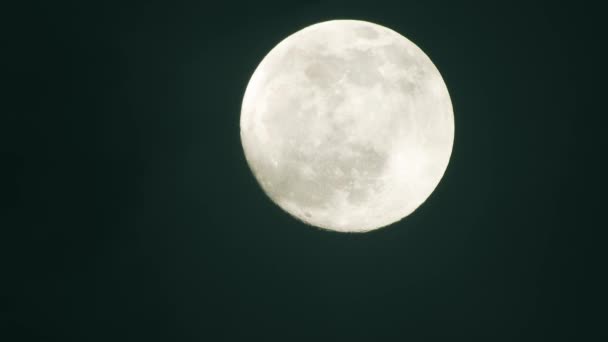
(131, 214)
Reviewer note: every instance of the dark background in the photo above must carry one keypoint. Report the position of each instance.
(131, 215)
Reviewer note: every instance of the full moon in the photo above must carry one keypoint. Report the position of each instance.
(347, 125)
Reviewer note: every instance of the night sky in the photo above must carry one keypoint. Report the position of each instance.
(131, 214)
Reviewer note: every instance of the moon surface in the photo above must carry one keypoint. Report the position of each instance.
(347, 125)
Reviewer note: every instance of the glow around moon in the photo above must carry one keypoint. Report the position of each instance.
(347, 125)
